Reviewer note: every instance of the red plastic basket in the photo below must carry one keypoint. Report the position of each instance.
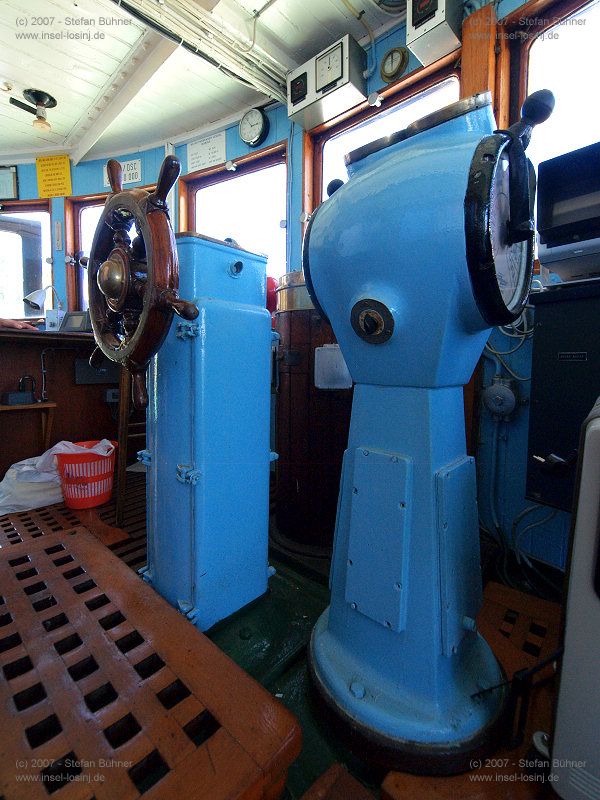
(86, 479)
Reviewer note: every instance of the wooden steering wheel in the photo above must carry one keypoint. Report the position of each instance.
(133, 277)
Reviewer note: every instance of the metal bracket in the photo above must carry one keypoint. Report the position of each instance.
(187, 330)
(144, 457)
(146, 574)
(185, 473)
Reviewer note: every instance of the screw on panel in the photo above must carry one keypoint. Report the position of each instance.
(357, 689)
(365, 452)
(353, 606)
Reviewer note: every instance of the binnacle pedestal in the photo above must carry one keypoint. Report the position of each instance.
(428, 244)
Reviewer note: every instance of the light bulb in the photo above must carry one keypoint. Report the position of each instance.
(40, 120)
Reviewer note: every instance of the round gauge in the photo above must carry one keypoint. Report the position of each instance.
(499, 251)
(394, 64)
(254, 127)
(510, 260)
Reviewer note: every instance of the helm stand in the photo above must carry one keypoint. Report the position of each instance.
(396, 658)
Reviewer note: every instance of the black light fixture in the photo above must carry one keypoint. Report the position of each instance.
(40, 101)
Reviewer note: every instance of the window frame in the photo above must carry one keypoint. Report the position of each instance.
(550, 13)
(32, 206)
(395, 93)
(253, 162)
(74, 271)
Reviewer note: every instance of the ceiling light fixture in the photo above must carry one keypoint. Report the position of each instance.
(40, 101)
(40, 122)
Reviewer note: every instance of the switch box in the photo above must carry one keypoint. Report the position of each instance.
(433, 28)
(329, 84)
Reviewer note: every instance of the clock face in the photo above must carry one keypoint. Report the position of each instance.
(510, 259)
(499, 257)
(254, 127)
(329, 68)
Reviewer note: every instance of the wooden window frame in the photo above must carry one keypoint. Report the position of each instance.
(525, 25)
(253, 162)
(31, 206)
(74, 272)
(398, 92)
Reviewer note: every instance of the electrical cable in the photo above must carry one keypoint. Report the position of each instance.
(506, 352)
(257, 74)
(359, 16)
(506, 367)
(255, 17)
(394, 11)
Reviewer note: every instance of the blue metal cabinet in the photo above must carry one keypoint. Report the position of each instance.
(208, 437)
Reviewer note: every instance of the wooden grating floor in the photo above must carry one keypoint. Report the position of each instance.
(29, 525)
(107, 692)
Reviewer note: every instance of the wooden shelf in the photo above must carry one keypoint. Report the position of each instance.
(47, 417)
(27, 406)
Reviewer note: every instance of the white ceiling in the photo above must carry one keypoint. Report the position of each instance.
(133, 87)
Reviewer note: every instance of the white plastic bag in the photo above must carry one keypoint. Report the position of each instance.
(35, 482)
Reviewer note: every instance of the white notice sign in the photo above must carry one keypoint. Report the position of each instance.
(206, 152)
(132, 172)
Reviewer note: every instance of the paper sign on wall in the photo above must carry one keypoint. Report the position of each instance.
(132, 172)
(53, 176)
(206, 152)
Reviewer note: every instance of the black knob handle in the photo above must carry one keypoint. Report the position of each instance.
(333, 186)
(538, 107)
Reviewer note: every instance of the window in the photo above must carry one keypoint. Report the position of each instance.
(248, 205)
(566, 59)
(25, 253)
(88, 221)
(81, 215)
(386, 122)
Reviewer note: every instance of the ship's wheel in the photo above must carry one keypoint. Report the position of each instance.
(133, 275)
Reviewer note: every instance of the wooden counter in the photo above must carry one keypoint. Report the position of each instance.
(80, 412)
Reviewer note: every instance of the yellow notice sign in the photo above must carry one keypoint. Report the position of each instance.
(53, 176)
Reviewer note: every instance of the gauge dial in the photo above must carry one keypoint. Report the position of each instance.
(329, 67)
(394, 64)
(500, 263)
(509, 259)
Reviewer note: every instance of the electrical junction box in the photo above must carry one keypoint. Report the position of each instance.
(329, 84)
(433, 28)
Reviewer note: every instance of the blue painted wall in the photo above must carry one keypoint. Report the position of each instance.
(548, 541)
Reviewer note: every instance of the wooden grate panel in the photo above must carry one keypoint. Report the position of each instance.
(108, 692)
(26, 525)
